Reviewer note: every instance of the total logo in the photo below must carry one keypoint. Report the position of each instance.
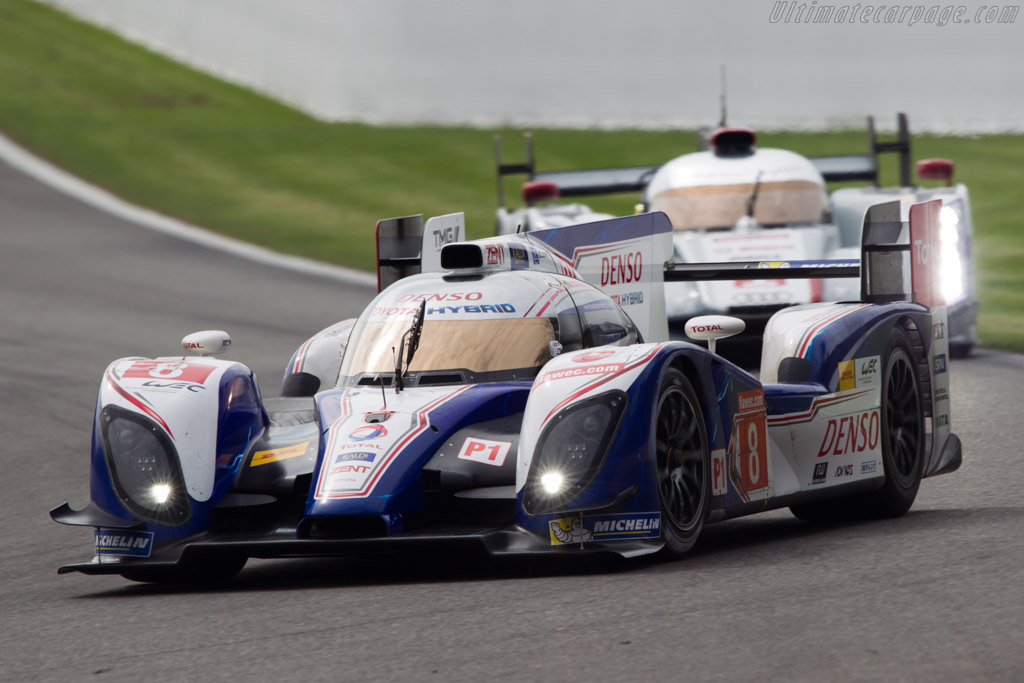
(707, 328)
(368, 432)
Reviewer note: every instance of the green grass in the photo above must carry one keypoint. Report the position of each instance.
(184, 143)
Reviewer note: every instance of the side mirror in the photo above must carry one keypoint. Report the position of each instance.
(206, 343)
(710, 328)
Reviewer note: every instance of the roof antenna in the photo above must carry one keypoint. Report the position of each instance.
(721, 94)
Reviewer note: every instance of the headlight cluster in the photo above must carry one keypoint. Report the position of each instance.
(144, 467)
(570, 451)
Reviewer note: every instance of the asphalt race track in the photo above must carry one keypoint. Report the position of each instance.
(933, 596)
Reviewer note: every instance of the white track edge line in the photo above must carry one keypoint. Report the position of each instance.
(62, 181)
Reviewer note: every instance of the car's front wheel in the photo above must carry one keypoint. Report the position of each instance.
(681, 455)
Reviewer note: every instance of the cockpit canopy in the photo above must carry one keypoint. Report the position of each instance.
(500, 326)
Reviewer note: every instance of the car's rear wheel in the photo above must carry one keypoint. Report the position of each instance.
(681, 456)
(903, 437)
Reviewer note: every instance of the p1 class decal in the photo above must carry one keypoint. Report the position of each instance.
(485, 451)
(719, 474)
(355, 480)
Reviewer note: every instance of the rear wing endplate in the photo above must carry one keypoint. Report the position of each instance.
(405, 246)
(853, 167)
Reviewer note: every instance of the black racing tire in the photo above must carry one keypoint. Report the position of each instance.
(903, 439)
(682, 464)
(208, 572)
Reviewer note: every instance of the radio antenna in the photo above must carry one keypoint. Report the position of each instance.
(721, 95)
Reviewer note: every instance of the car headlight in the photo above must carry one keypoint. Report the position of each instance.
(144, 467)
(570, 451)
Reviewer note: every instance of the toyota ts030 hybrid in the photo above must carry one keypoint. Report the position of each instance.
(497, 396)
(737, 202)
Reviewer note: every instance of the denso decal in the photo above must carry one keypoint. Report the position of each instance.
(167, 370)
(484, 308)
(368, 432)
(276, 454)
(851, 434)
(445, 296)
(579, 372)
(620, 269)
(484, 451)
(121, 542)
(605, 528)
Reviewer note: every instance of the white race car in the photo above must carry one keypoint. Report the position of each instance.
(736, 202)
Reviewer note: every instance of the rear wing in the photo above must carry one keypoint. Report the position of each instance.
(603, 181)
(853, 167)
(406, 247)
(581, 183)
(886, 270)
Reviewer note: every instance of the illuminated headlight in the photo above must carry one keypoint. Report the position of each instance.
(144, 467)
(552, 482)
(952, 264)
(570, 452)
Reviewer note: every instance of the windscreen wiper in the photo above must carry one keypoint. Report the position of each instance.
(753, 196)
(407, 351)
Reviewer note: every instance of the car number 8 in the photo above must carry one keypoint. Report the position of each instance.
(754, 462)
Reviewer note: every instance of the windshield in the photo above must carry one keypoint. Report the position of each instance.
(477, 346)
(720, 206)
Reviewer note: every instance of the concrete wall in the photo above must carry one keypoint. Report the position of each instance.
(645, 63)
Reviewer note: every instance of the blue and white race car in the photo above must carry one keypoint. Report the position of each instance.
(497, 396)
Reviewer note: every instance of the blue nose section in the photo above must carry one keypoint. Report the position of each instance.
(370, 461)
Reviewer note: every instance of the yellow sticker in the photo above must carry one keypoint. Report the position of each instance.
(847, 375)
(263, 457)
